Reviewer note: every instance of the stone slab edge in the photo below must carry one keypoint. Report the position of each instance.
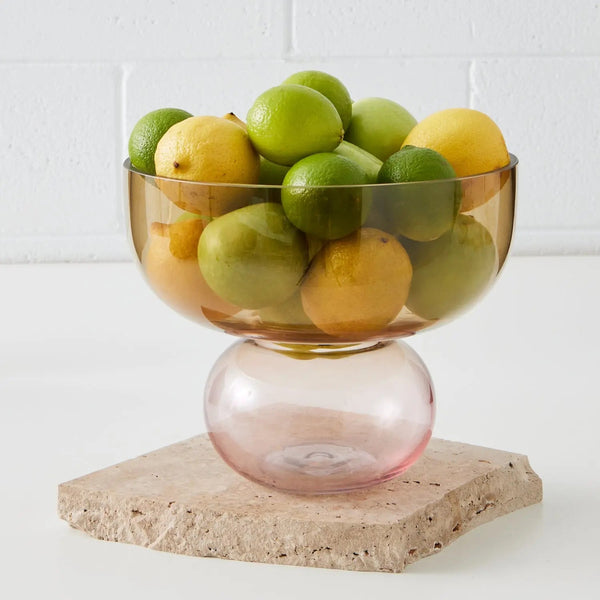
(388, 547)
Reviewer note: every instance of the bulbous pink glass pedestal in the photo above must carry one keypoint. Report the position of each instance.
(320, 418)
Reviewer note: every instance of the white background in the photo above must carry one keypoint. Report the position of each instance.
(76, 75)
(94, 369)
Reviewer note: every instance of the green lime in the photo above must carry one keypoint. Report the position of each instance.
(415, 164)
(288, 122)
(379, 126)
(147, 133)
(271, 173)
(450, 272)
(313, 203)
(421, 212)
(331, 87)
(369, 163)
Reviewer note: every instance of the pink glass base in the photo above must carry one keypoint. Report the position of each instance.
(319, 419)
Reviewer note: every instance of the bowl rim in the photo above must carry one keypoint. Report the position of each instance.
(514, 161)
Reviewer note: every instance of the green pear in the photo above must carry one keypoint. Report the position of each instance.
(450, 272)
(287, 314)
(253, 257)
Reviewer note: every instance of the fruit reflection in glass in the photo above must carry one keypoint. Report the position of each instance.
(318, 397)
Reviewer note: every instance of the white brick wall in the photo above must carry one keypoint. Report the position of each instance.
(75, 76)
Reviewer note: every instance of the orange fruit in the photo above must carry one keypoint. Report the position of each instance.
(357, 284)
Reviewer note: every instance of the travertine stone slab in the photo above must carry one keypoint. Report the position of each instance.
(184, 499)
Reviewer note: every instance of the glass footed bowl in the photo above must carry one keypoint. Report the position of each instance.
(317, 397)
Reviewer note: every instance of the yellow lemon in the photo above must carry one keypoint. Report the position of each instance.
(184, 235)
(470, 141)
(231, 116)
(357, 284)
(478, 190)
(177, 278)
(210, 150)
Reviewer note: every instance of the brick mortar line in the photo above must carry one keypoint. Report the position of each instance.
(292, 58)
(300, 57)
(120, 118)
(289, 12)
(471, 83)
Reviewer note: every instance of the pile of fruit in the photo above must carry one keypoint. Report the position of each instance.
(338, 247)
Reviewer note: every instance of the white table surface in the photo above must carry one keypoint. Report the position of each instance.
(95, 370)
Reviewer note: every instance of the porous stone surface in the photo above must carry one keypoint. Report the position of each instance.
(185, 499)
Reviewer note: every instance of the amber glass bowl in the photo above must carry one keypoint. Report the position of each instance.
(227, 256)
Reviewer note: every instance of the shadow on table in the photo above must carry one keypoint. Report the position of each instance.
(495, 541)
